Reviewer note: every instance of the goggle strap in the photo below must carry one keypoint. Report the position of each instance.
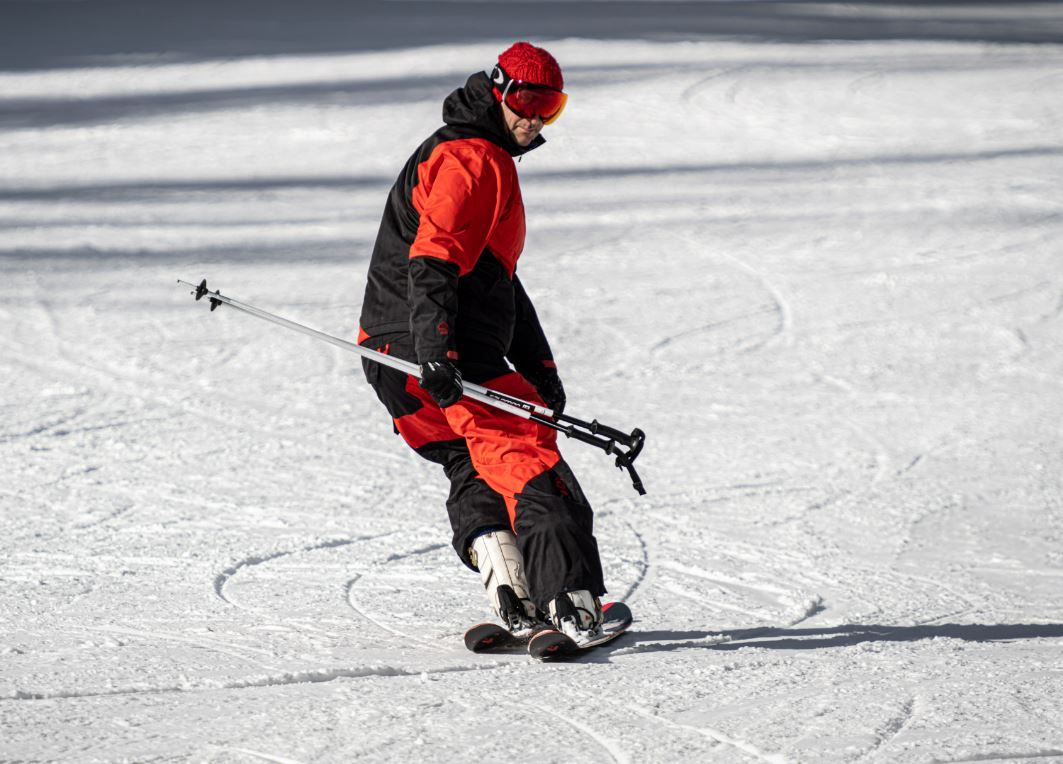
(499, 76)
(500, 79)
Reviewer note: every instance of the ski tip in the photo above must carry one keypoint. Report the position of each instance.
(616, 611)
(550, 645)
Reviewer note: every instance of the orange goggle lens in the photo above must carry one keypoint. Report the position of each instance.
(529, 101)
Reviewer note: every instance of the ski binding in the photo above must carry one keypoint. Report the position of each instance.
(551, 644)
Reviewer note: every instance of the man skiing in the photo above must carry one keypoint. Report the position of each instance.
(443, 292)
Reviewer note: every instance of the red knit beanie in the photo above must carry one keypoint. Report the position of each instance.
(524, 61)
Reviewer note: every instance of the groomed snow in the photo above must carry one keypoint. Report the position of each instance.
(823, 275)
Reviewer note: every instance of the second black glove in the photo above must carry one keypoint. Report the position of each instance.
(550, 389)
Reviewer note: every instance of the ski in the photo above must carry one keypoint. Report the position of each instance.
(552, 644)
(490, 638)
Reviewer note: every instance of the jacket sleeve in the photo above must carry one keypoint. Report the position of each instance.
(457, 215)
(529, 352)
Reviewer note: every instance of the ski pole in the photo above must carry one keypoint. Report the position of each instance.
(624, 446)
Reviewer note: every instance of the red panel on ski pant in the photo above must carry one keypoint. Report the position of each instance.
(504, 471)
(507, 451)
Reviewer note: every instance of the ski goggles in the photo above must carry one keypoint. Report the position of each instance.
(529, 101)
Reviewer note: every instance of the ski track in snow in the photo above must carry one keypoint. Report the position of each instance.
(242, 653)
(1014, 756)
(892, 730)
(316, 676)
(121, 384)
(75, 365)
(612, 751)
(779, 309)
(258, 559)
(258, 754)
(783, 330)
(644, 565)
(362, 610)
(714, 735)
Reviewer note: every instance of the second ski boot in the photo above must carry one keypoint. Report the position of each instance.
(502, 570)
(577, 615)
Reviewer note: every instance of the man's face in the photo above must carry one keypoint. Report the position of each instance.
(523, 130)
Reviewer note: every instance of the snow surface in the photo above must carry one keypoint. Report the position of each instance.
(812, 249)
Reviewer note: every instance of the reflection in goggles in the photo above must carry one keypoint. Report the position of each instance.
(530, 101)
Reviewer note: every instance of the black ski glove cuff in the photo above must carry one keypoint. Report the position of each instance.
(442, 380)
(548, 384)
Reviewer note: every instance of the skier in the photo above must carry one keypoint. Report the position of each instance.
(443, 292)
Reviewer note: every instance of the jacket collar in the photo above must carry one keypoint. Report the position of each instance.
(474, 107)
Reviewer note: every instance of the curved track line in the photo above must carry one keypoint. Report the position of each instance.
(892, 729)
(615, 753)
(1000, 756)
(419, 551)
(630, 593)
(167, 395)
(257, 754)
(349, 597)
(644, 563)
(813, 606)
(226, 575)
(784, 327)
(712, 734)
(884, 468)
(314, 676)
(687, 96)
(224, 648)
(723, 580)
(679, 336)
(719, 737)
(708, 603)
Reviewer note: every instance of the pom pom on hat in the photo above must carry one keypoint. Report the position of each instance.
(524, 61)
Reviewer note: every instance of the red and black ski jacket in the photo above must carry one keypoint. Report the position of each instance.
(443, 270)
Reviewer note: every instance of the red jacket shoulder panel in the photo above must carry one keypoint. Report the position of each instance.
(468, 199)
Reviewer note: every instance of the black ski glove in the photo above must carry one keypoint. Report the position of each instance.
(442, 380)
(550, 389)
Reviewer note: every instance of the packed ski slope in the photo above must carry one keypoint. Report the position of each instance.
(824, 276)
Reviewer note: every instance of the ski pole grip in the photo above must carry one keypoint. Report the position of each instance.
(636, 440)
(597, 428)
(586, 437)
(609, 432)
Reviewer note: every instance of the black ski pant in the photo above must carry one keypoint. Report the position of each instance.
(504, 472)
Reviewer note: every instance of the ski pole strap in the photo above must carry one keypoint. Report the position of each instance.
(625, 446)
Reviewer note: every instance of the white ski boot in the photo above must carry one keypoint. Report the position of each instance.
(502, 570)
(577, 614)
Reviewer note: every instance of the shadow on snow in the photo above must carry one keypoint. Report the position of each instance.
(837, 636)
(69, 33)
(152, 189)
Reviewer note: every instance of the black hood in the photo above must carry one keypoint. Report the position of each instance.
(475, 109)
